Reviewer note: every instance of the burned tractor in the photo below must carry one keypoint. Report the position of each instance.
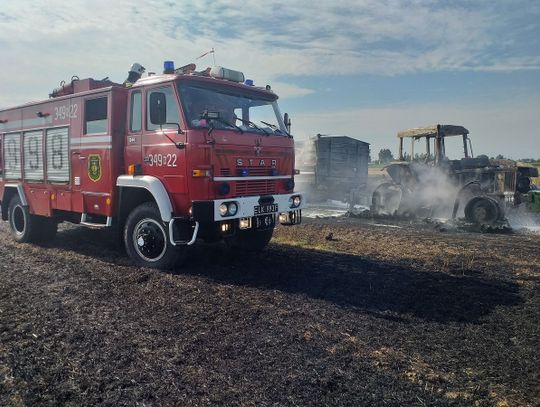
(433, 185)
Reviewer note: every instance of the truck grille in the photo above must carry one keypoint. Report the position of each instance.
(259, 187)
(258, 171)
(252, 171)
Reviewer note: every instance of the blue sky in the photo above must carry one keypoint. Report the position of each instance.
(364, 68)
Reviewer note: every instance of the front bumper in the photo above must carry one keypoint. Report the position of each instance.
(208, 211)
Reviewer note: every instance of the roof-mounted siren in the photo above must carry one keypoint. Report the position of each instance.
(168, 67)
(219, 72)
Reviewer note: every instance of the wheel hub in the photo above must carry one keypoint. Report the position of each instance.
(150, 240)
(480, 214)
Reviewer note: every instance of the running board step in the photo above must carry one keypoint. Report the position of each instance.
(182, 242)
(84, 222)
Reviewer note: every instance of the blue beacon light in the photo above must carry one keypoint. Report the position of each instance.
(224, 189)
(168, 67)
(289, 184)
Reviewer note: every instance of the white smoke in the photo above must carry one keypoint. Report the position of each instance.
(305, 161)
(436, 193)
(523, 219)
(426, 191)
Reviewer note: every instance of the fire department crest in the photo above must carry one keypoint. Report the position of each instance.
(94, 167)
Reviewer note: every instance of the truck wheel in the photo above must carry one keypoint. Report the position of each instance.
(250, 240)
(22, 224)
(146, 239)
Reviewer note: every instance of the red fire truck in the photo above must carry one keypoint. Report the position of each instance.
(176, 157)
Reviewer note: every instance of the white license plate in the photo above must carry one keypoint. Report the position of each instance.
(262, 209)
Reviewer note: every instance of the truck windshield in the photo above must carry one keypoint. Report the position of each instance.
(237, 110)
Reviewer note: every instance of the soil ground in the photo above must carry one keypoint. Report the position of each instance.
(334, 312)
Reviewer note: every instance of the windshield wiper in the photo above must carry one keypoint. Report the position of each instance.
(211, 116)
(226, 123)
(274, 127)
(249, 122)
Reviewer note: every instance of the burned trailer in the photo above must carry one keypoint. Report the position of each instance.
(334, 167)
(479, 188)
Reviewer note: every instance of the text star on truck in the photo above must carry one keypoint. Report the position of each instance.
(177, 157)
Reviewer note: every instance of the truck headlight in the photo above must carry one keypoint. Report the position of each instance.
(228, 209)
(233, 208)
(295, 201)
(223, 209)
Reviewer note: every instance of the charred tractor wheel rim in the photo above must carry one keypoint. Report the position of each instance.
(18, 220)
(480, 213)
(483, 211)
(149, 240)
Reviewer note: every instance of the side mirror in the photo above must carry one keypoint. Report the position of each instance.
(287, 121)
(158, 108)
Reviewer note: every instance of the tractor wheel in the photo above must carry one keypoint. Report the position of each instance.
(483, 211)
(147, 241)
(386, 199)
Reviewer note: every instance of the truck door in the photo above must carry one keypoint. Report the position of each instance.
(133, 152)
(161, 157)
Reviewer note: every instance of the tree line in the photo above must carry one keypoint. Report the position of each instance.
(385, 156)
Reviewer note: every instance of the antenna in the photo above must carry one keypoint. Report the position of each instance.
(209, 52)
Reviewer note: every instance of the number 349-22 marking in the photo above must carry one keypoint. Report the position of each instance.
(65, 112)
(161, 160)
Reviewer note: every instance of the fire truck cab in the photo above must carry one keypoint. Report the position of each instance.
(177, 157)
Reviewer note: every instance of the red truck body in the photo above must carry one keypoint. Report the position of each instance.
(173, 158)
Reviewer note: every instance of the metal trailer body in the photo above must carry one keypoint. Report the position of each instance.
(342, 162)
(335, 167)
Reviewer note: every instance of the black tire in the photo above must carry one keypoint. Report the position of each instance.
(250, 240)
(24, 226)
(482, 211)
(147, 241)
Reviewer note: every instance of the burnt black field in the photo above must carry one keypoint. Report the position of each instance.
(334, 312)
